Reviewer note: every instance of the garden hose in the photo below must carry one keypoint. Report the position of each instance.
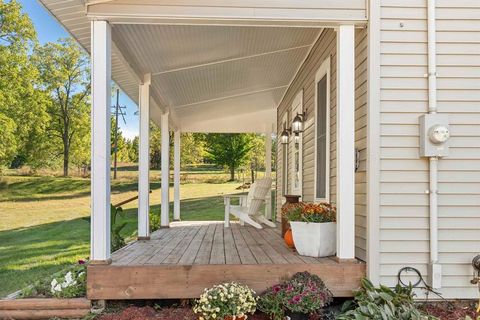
(419, 284)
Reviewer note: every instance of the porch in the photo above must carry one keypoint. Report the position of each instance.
(183, 260)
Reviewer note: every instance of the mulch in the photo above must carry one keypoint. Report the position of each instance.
(453, 310)
(149, 313)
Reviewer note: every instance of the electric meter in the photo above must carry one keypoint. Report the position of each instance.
(434, 135)
(438, 134)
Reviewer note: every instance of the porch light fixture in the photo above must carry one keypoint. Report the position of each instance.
(297, 124)
(284, 137)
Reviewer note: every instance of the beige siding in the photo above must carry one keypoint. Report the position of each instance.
(305, 79)
(404, 224)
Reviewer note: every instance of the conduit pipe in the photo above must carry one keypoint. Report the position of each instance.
(435, 268)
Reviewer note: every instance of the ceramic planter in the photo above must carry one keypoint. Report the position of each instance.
(315, 239)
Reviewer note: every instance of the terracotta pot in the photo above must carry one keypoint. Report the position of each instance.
(289, 199)
(288, 237)
(234, 318)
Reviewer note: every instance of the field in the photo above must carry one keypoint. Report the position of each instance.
(44, 225)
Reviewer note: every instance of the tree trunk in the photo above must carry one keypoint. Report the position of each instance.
(232, 173)
(252, 174)
(66, 155)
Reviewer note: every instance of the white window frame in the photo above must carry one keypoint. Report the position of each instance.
(284, 152)
(297, 107)
(321, 72)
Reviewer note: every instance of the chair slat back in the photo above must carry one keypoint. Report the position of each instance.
(256, 195)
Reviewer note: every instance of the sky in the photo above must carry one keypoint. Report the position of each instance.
(49, 30)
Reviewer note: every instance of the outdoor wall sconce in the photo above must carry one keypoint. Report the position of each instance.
(297, 123)
(297, 128)
(284, 137)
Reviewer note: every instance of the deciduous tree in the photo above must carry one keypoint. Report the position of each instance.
(64, 71)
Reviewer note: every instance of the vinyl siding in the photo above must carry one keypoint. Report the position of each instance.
(404, 211)
(305, 79)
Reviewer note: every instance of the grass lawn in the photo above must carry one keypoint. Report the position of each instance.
(43, 225)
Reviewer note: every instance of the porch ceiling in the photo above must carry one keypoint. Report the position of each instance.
(212, 78)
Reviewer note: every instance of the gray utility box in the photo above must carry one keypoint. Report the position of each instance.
(434, 135)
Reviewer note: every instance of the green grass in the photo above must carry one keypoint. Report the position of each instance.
(43, 225)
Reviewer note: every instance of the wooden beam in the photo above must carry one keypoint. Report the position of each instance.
(346, 142)
(176, 175)
(308, 13)
(144, 160)
(165, 208)
(100, 132)
(186, 282)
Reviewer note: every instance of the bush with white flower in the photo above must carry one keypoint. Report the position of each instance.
(226, 300)
(70, 283)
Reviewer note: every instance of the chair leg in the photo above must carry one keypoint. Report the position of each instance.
(252, 222)
(227, 213)
(265, 221)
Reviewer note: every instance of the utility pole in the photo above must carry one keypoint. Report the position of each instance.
(118, 110)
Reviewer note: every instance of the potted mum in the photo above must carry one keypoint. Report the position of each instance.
(301, 296)
(314, 229)
(229, 301)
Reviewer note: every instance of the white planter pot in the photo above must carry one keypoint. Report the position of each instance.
(315, 239)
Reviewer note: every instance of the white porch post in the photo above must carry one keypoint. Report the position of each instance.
(164, 217)
(100, 148)
(176, 175)
(346, 142)
(268, 172)
(144, 161)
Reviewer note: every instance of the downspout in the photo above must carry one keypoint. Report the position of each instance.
(435, 268)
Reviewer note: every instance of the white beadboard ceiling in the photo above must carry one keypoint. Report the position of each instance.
(211, 78)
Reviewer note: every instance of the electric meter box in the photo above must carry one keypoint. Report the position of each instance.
(434, 135)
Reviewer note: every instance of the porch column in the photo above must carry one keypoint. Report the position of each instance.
(268, 173)
(100, 143)
(176, 175)
(144, 161)
(164, 218)
(346, 142)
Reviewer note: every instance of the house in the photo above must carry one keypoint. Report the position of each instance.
(380, 85)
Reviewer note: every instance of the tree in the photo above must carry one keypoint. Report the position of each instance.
(192, 148)
(20, 100)
(64, 71)
(8, 144)
(228, 149)
(256, 156)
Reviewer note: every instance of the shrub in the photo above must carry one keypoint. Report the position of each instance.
(382, 303)
(70, 283)
(154, 221)
(304, 293)
(227, 299)
(310, 212)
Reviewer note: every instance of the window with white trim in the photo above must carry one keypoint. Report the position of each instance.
(296, 143)
(322, 132)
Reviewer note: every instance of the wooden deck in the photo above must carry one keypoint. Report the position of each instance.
(180, 261)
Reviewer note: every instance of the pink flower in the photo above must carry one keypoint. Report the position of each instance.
(81, 261)
(276, 289)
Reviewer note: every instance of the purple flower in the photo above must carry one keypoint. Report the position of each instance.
(276, 289)
(296, 299)
(81, 261)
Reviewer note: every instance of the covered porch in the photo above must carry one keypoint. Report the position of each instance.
(183, 260)
(190, 71)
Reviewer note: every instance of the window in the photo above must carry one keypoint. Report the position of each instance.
(296, 143)
(322, 132)
(284, 158)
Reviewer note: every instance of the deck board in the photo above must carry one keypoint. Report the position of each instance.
(180, 261)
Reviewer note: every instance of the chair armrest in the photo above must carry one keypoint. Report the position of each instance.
(235, 196)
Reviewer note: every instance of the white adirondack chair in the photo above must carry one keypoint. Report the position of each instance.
(249, 209)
